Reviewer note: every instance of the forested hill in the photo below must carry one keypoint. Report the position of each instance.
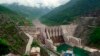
(70, 11)
(5, 10)
(27, 11)
(14, 16)
(10, 39)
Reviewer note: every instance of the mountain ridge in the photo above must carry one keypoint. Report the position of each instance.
(70, 11)
(29, 12)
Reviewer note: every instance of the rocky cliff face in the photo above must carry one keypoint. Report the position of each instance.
(85, 26)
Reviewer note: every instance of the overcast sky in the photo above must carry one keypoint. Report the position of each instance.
(36, 3)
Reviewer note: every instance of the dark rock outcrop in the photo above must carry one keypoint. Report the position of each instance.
(95, 54)
(85, 26)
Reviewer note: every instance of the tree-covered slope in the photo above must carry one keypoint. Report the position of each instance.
(94, 39)
(69, 11)
(10, 39)
(29, 12)
(17, 18)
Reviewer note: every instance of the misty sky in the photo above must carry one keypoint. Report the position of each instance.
(36, 3)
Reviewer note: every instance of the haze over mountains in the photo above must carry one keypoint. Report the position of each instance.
(31, 12)
(32, 8)
(36, 3)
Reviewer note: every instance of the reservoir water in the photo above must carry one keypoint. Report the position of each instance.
(77, 51)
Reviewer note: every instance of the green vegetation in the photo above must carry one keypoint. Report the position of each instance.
(10, 34)
(4, 47)
(16, 18)
(9, 31)
(94, 39)
(35, 43)
(29, 12)
(5, 10)
(70, 11)
(25, 55)
(43, 51)
(77, 51)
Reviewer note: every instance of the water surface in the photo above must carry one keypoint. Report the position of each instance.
(77, 51)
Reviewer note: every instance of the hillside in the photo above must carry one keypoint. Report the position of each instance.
(70, 11)
(11, 39)
(29, 12)
(89, 31)
(13, 15)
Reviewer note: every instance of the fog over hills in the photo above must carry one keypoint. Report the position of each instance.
(36, 3)
(27, 11)
(32, 8)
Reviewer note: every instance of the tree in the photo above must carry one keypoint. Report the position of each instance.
(95, 36)
(4, 47)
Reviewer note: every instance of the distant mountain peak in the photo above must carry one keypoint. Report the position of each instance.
(27, 11)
